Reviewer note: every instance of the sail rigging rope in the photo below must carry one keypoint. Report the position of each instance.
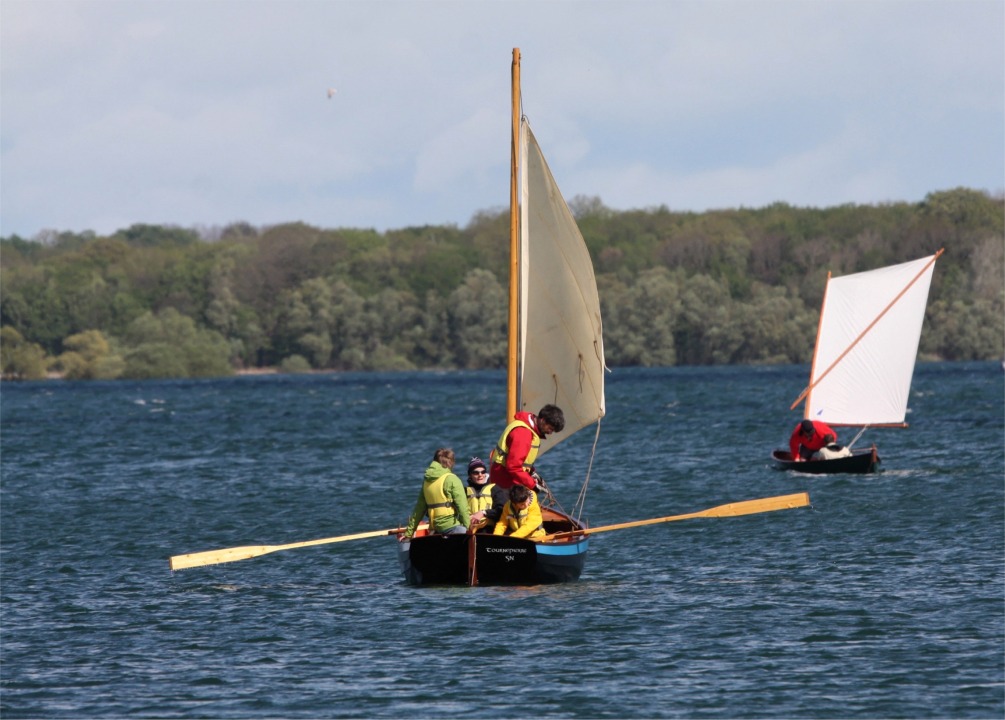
(855, 439)
(577, 509)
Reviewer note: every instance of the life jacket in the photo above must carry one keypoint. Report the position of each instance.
(501, 449)
(437, 503)
(480, 498)
(516, 517)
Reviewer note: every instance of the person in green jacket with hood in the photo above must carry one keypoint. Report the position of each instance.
(442, 498)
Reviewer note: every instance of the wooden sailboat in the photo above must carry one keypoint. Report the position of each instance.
(863, 362)
(556, 355)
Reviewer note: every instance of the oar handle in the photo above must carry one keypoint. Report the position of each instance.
(340, 538)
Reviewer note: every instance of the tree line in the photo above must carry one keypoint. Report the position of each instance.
(736, 286)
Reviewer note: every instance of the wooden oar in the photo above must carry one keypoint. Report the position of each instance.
(213, 557)
(747, 507)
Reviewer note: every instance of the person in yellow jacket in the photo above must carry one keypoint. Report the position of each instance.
(521, 516)
(442, 498)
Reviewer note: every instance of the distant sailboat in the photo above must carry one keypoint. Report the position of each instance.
(863, 363)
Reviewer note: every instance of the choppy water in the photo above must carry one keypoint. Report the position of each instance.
(886, 599)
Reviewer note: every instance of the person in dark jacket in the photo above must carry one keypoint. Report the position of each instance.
(485, 499)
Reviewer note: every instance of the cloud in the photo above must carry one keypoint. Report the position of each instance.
(115, 112)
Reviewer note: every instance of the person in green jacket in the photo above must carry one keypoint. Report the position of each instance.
(442, 498)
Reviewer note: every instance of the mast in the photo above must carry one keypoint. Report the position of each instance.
(514, 248)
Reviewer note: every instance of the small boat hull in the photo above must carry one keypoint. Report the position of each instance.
(860, 462)
(498, 559)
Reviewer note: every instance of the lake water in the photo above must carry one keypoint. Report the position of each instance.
(885, 599)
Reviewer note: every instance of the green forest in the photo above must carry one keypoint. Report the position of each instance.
(736, 286)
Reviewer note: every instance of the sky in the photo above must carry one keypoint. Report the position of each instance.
(203, 113)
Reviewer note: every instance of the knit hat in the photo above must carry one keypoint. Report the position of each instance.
(476, 463)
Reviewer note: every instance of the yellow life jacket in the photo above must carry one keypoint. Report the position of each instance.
(515, 518)
(501, 450)
(437, 502)
(480, 498)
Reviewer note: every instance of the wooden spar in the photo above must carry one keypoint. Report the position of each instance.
(747, 507)
(514, 245)
(864, 332)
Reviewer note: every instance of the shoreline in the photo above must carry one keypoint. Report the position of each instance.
(257, 371)
(243, 371)
(275, 370)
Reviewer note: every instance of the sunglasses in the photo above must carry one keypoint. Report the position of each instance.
(479, 472)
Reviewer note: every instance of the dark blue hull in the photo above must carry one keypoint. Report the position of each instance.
(860, 462)
(483, 559)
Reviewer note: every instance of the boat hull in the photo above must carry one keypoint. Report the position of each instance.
(498, 559)
(860, 462)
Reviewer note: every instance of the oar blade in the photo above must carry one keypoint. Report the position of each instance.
(749, 507)
(215, 557)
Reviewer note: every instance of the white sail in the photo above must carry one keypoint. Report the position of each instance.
(870, 326)
(561, 354)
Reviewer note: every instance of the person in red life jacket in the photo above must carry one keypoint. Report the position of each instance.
(808, 437)
(512, 460)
